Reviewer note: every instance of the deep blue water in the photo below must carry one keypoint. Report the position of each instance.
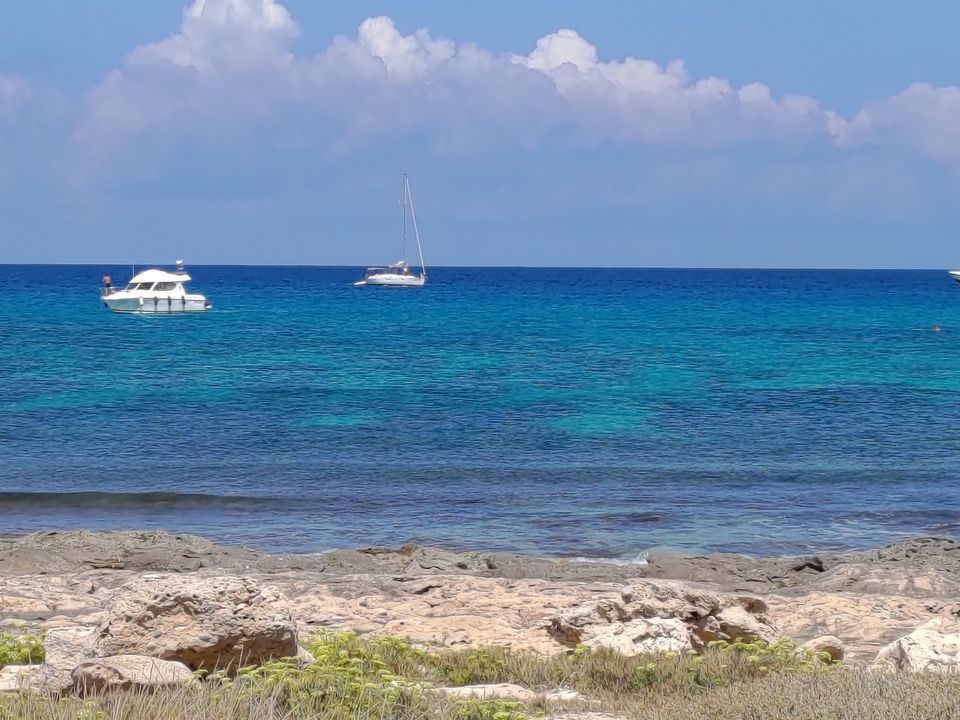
(560, 411)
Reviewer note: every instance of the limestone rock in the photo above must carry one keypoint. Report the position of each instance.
(731, 623)
(829, 644)
(41, 679)
(924, 649)
(454, 611)
(637, 637)
(26, 600)
(865, 623)
(66, 647)
(125, 672)
(509, 691)
(564, 696)
(490, 692)
(659, 615)
(866, 599)
(210, 623)
(61, 552)
(304, 657)
(20, 678)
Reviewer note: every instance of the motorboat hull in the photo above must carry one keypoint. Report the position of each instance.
(393, 280)
(121, 303)
(955, 274)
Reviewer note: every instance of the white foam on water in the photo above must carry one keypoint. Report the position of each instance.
(639, 559)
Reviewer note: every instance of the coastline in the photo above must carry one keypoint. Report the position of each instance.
(578, 413)
(865, 599)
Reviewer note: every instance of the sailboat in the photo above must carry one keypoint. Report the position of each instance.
(399, 273)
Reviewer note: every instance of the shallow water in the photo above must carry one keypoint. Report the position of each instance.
(571, 412)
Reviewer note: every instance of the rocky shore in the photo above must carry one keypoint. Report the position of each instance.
(185, 600)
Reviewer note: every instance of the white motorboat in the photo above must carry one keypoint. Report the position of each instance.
(955, 274)
(155, 291)
(399, 273)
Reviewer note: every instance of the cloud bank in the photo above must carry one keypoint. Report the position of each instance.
(923, 119)
(231, 66)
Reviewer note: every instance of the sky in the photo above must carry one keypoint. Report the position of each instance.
(539, 133)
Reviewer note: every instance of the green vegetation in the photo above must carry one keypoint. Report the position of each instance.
(388, 678)
(20, 649)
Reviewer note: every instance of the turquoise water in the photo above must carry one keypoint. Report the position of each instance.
(570, 412)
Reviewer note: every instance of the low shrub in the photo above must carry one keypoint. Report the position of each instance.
(495, 709)
(21, 649)
(607, 671)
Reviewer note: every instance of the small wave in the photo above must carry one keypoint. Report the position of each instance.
(639, 559)
(20, 501)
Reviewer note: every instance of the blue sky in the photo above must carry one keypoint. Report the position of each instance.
(548, 132)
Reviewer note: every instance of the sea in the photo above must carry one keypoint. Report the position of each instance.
(574, 412)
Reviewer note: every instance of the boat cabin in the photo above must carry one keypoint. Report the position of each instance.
(398, 268)
(157, 281)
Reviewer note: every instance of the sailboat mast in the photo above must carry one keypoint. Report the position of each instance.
(416, 230)
(403, 210)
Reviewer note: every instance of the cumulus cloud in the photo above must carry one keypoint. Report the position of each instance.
(226, 60)
(639, 98)
(403, 56)
(231, 65)
(383, 80)
(922, 118)
(224, 36)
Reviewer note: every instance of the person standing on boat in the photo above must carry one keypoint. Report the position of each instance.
(107, 284)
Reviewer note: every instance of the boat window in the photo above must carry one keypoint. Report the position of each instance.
(145, 286)
(131, 286)
(165, 286)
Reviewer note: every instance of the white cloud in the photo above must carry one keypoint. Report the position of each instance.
(231, 66)
(560, 48)
(404, 56)
(229, 61)
(641, 99)
(219, 36)
(922, 118)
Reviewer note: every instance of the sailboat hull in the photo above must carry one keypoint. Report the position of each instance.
(393, 280)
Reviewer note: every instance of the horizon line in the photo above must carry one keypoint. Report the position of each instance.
(499, 267)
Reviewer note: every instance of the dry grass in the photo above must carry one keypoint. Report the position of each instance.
(389, 679)
(843, 695)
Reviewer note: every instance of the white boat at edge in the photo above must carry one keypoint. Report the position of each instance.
(399, 273)
(955, 274)
(155, 291)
